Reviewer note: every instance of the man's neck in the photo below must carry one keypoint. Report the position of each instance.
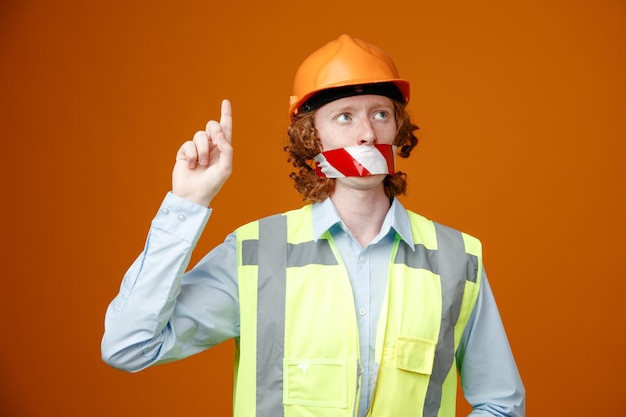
(362, 211)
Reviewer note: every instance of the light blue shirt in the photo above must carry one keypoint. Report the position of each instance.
(163, 313)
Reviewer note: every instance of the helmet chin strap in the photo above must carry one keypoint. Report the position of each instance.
(356, 161)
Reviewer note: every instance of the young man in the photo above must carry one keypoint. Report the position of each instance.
(351, 305)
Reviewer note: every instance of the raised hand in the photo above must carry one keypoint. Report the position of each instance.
(204, 163)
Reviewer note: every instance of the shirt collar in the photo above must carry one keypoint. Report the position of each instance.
(325, 216)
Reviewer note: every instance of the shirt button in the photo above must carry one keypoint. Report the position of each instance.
(362, 311)
(362, 259)
(181, 217)
(165, 210)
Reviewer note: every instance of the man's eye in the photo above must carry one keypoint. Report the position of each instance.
(344, 117)
(381, 115)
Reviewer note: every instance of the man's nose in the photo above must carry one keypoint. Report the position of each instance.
(366, 133)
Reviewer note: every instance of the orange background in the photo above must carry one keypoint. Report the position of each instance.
(522, 111)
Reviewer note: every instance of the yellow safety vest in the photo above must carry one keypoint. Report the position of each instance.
(298, 350)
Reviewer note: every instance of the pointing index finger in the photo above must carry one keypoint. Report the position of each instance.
(226, 120)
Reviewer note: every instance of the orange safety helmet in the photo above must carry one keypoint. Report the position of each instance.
(345, 62)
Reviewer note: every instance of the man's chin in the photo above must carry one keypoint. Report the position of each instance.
(362, 183)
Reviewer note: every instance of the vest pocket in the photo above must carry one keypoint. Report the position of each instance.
(415, 355)
(315, 382)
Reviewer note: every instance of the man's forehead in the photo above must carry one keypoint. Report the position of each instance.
(359, 101)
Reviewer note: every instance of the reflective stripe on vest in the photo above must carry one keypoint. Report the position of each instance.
(263, 294)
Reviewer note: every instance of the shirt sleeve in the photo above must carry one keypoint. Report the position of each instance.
(489, 376)
(163, 313)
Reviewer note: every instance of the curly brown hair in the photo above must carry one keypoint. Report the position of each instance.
(304, 145)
